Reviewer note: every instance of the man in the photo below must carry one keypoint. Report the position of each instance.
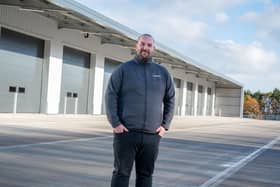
(136, 92)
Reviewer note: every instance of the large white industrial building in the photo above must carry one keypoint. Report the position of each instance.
(56, 57)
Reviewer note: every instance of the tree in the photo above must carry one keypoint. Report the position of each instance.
(266, 103)
(251, 105)
(259, 97)
(266, 100)
(275, 101)
(248, 92)
(275, 106)
(276, 94)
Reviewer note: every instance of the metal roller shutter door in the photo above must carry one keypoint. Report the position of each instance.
(21, 63)
(75, 81)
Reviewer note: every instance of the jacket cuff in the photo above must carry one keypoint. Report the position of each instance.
(165, 126)
(115, 123)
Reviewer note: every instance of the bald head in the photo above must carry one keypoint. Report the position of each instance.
(145, 35)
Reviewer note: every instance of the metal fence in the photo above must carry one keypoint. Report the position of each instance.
(263, 116)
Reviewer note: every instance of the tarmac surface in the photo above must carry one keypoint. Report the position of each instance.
(76, 151)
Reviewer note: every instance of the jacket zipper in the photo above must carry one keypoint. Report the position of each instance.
(145, 112)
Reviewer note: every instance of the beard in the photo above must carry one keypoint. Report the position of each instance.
(145, 55)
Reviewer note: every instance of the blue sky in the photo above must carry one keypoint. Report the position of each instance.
(238, 38)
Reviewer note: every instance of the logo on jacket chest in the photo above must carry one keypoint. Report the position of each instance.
(156, 76)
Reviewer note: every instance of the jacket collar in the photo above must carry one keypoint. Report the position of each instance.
(138, 60)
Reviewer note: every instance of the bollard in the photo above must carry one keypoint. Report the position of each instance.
(65, 105)
(76, 105)
(15, 102)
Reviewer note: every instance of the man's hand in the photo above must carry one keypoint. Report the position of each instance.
(120, 129)
(161, 131)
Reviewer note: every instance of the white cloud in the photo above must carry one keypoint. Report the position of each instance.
(242, 57)
(221, 17)
(161, 21)
(200, 7)
(249, 16)
(267, 22)
(264, 82)
(270, 19)
(165, 20)
(179, 30)
(252, 64)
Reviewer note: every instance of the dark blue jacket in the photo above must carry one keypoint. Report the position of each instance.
(141, 96)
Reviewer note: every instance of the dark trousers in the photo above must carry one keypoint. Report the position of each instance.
(139, 147)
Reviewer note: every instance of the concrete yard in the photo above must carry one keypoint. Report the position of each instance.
(76, 151)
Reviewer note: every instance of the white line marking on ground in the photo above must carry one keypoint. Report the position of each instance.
(51, 143)
(220, 177)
